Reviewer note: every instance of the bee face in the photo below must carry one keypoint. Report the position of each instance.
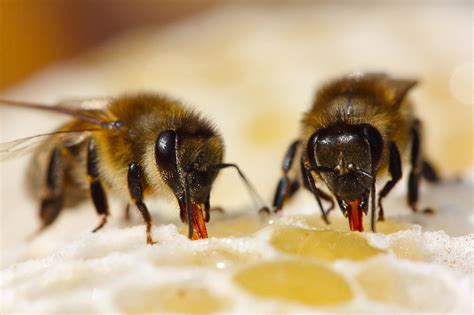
(358, 127)
(345, 150)
(187, 161)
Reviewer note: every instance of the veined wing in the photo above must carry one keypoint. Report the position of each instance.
(17, 148)
(93, 111)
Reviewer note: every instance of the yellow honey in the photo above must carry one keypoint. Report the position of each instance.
(176, 299)
(296, 281)
(388, 226)
(227, 227)
(323, 244)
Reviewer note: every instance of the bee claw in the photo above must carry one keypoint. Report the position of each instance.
(429, 211)
(150, 241)
(325, 218)
(264, 211)
(103, 221)
(35, 234)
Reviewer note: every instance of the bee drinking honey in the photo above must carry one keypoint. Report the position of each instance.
(359, 127)
(135, 146)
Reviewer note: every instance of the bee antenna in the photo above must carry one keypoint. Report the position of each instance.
(250, 188)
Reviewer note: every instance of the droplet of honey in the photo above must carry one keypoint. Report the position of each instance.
(296, 281)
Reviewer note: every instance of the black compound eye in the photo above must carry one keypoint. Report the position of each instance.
(375, 144)
(165, 149)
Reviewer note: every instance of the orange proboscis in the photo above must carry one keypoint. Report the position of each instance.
(354, 214)
(199, 225)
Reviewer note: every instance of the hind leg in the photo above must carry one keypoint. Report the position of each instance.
(52, 199)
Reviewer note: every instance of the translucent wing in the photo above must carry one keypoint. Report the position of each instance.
(80, 109)
(92, 104)
(16, 148)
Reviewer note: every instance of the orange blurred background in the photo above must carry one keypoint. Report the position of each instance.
(34, 33)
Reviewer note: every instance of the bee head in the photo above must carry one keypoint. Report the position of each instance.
(186, 162)
(346, 157)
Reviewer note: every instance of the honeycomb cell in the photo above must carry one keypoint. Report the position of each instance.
(228, 227)
(237, 226)
(297, 281)
(389, 284)
(388, 226)
(409, 248)
(176, 299)
(323, 244)
(219, 257)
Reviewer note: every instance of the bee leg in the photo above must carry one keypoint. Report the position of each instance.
(286, 189)
(126, 215)
(53, 199)
(97, 192)
(256, 197)
(208, 210)
(395, 169)
(322, 194)
(418, 168)
(327, 198)
(136, 194)
(429, 172)
(316, 192)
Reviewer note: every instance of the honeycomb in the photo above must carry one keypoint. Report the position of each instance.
(275, 264)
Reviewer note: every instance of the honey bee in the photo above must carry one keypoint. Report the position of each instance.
(134, 146)
(359, 127)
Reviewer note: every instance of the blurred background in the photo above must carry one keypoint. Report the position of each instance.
(250, 66)
(35, 33)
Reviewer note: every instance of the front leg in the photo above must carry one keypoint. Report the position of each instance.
(395, 169)
(325, 196)
(136, 194)
(309, 179)
(97, 192)
(285, 188)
